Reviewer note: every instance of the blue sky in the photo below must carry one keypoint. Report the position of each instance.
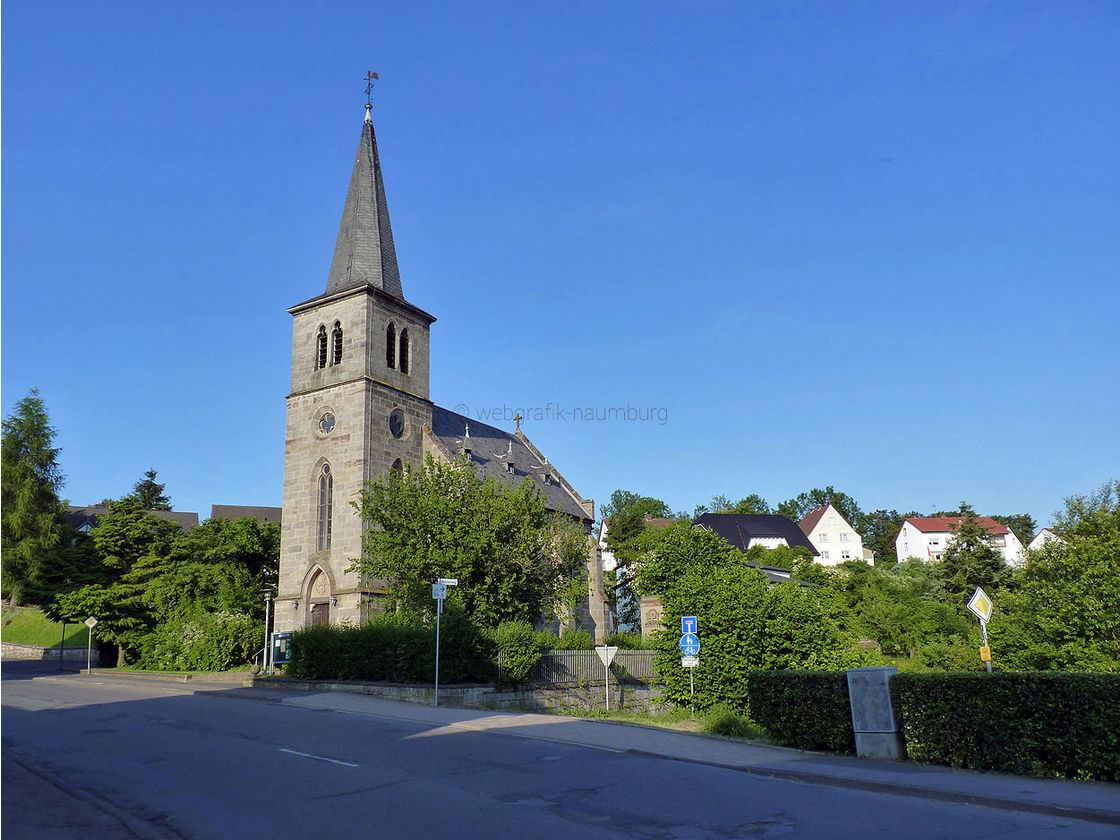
(873, 245)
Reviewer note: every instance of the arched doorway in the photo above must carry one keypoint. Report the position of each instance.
(319, 600)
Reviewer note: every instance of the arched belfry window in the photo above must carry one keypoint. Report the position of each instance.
(326, 507)
(391, 345)
(404, 351)
(336, 343)
(398, 467)
(321, 349)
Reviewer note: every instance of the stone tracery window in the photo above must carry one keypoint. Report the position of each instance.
(321, 348)
(404, 351)
(336, 343)
(326, 507)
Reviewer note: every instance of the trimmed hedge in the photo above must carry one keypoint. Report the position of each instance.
(809, 710)
(393, 648)
(1030, 723)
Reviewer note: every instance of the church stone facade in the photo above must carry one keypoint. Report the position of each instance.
(359, 406)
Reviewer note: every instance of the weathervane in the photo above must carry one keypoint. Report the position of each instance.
(371, 77)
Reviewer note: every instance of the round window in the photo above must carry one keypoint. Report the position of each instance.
(326, 424)
(396, 423)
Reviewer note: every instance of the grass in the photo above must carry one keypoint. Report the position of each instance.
(28, 626)
(717, 721)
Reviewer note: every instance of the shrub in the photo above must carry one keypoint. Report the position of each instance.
(576, 640)
(519, 649)
(628, 641)
(805, 709)
(1031, 723)
(214, 641)
(722, 721)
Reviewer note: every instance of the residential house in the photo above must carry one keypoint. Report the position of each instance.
(927, 537)
(835, 540)
(85, 519)
(1046, 535)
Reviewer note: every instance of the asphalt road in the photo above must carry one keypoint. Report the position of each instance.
(168, 763)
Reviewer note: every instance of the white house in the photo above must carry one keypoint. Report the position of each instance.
(835, 540)
(1042, 538)
(927, 537)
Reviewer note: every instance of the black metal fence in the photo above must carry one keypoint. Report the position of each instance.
(560, 667)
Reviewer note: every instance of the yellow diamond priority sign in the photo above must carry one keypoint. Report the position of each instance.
(981, 605)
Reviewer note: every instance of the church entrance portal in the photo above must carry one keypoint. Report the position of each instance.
(320, 614)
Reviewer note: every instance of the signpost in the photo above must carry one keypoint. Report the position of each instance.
(91, 622)
(439, 593)
(606, 654)
(690, 650)
(981, 606)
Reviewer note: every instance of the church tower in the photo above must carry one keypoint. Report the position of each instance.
(358, 405)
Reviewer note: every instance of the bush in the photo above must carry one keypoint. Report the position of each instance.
(576, 640)
(809, 710)
(1032, 723)
(393, 647)
(519, 649)
(628, 641)
(722, 721)
(214, 641)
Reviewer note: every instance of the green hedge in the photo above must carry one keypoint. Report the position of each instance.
(809, 710)
(393, 648)
(1031, 723)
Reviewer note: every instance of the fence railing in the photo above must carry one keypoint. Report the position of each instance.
(559, 667)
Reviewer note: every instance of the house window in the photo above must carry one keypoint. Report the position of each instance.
(404, 351)
(824, 536)
(321, 349)
(845, 555)
(832, 522)
(843, 536)
(933, 542)
(391, 345)
(326, 506)
(824, 555)
(336, 344)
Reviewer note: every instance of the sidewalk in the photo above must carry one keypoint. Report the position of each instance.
(1093, 801)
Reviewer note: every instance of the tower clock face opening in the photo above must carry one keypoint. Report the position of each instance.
(396, 423)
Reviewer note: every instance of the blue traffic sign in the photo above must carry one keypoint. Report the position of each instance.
(690, 645)
(688, 624)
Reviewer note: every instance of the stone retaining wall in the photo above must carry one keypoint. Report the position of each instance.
(590, 696)
(10, 650)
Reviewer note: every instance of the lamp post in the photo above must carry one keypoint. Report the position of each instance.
(267, 635)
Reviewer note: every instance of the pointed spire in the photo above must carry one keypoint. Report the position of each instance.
(364, 254)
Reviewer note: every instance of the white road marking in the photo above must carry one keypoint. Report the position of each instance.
(318, 757)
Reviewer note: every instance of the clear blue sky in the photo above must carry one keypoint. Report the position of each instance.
(874, 245)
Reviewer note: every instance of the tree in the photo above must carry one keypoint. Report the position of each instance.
(879, 531)
(514, 560)
(31, 479)
(750, 504)
(801, 504)
(149, 493)
(970, 560)
(1065, 612)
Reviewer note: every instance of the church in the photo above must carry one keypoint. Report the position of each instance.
(359, 405)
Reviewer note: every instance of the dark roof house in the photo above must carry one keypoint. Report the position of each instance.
(85, 518)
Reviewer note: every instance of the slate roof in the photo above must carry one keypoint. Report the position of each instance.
(261, 514)
(740, 528)
(87, 517)
(491, 449)
(364, 253)
(949, 524)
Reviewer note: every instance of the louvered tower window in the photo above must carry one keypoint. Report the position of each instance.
(321, 349)
(404, 351)
(326, 507)
(336, 343)
(391, 345)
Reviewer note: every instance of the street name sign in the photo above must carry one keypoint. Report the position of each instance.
(981, 605)
(690, 661)
(449, 581)
(606, 654)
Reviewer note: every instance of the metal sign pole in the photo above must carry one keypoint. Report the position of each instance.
(89, 652)
(607, 684)
(984, 636)
(439, 612)
(267, 634)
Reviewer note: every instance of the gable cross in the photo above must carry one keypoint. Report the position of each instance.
(517, 418)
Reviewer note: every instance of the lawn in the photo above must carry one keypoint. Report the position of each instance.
(28, 626)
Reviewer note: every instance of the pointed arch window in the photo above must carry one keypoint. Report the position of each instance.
(321, 348)
(336, 343)
(326, 507)
(391, 345)
(404, 351)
